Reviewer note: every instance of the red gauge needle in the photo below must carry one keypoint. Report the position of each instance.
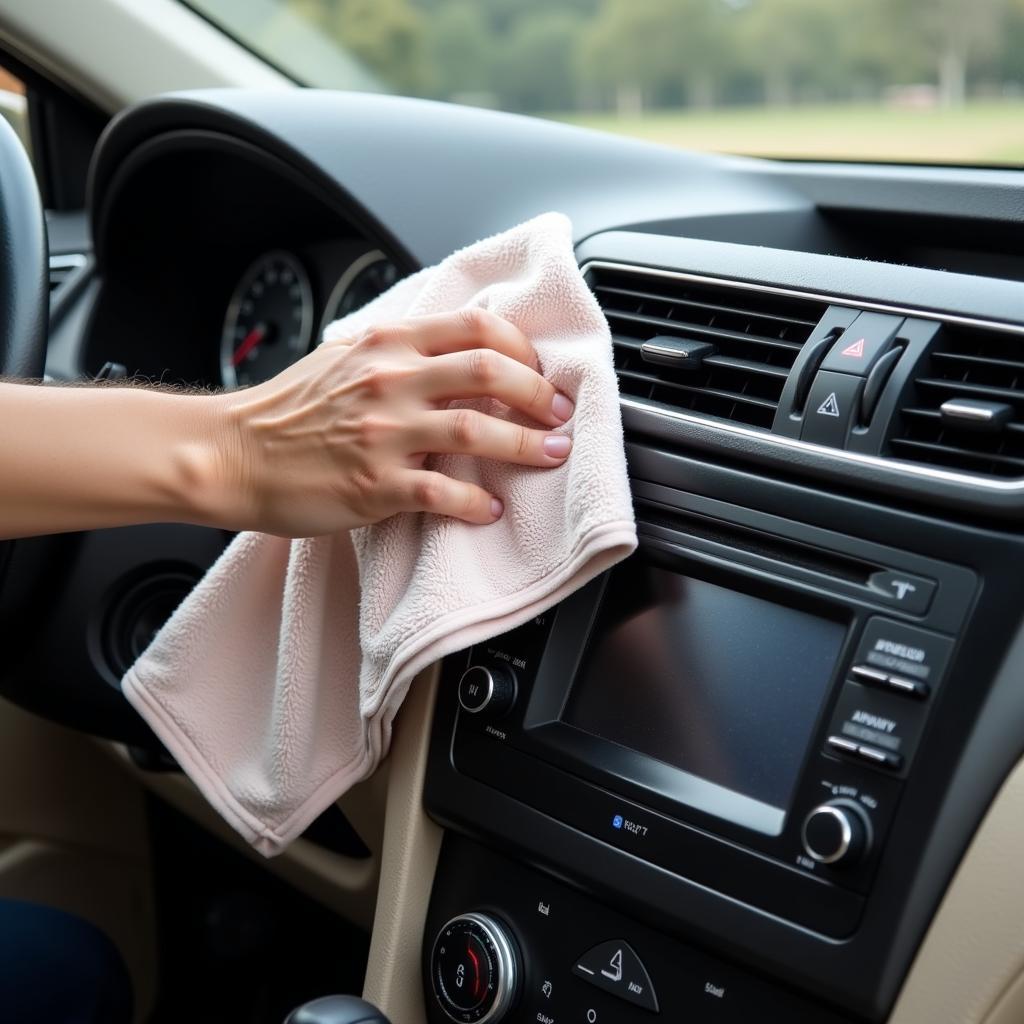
(249, 342)
(476, 970)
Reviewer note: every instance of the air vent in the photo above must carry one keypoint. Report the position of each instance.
(966, 406)
(754, 336)
(62, 267)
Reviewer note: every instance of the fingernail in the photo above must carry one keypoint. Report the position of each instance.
(562, 407)
(557, 446)
(496, 508)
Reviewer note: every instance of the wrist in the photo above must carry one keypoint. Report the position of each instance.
(207, 476)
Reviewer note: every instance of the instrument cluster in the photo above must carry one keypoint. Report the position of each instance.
(274, 310)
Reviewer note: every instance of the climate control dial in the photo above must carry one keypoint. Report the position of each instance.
(837, 833)
(474, 969)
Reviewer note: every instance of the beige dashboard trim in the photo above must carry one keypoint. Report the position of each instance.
(408, 862)
(345, 885)
(970, 968)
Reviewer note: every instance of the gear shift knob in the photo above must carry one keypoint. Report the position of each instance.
(337, 1010)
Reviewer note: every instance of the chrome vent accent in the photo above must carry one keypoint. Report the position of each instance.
(756, 337)
(62, 267)
(965, 408)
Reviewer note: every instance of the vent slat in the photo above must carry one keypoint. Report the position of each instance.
(632, 293)
(974, 390)
(982, 460)
(756, 335)
(747, 366)
(664, 324)
(936, 417)
(728, 396)
(1012, 365)
(967, 363)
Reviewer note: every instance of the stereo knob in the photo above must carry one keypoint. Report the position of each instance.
(490, 688)
(474, 968)
(838, 832)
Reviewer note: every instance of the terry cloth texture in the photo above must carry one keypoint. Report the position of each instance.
(276, 681)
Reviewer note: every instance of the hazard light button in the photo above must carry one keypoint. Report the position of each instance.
(862, 344)
(832, 402)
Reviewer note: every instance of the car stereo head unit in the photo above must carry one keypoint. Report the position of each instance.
(711, 694)
(743, 714)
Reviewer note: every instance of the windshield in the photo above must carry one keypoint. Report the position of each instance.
(921, 81)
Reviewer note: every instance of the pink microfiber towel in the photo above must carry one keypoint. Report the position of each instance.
(275, 682)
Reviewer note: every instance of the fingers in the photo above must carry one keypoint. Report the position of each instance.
(480, 373)
(420, 490)
(468, 432)
(469, 328)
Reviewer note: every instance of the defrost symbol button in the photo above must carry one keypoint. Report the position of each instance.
(614, 967)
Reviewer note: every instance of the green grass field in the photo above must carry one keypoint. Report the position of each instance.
(981, 133)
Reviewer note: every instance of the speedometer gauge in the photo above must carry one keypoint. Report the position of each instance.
(370, 275)
(269, 322)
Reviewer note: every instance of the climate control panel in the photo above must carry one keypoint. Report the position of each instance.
(505, 942)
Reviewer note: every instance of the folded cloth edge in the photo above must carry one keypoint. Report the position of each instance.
(597, 551)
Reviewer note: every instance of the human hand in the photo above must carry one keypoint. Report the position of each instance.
(339, 439)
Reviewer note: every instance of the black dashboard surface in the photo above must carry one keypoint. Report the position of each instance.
(428, 178)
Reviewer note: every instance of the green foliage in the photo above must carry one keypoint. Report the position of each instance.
(387, 36)
(534, 69)
(633, 55)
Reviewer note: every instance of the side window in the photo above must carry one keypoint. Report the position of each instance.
(14, 105)
(59, 130)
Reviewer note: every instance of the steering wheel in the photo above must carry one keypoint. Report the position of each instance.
(24, 274)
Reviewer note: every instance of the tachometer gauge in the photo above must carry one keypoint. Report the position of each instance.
(269, 323)
(370, 275)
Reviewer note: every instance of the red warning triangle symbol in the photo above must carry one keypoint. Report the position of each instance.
(856, 349)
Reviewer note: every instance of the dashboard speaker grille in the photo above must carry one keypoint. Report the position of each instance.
(965, 409)
(752, 340)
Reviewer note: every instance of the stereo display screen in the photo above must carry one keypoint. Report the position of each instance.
(721, 685)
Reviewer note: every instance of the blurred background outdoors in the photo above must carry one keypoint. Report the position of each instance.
(903, 80)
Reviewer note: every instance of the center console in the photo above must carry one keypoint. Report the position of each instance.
(728, 779)
(732, 778)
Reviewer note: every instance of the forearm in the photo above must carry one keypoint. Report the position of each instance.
(338, 440)
(80, 458)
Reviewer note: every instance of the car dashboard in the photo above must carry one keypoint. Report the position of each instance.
(733, 778)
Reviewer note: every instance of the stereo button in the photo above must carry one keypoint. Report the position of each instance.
(836, 832)
(841, 745)
(911, 687)
(908, 593)
(880, 757)
(869, 676)
(904, 651)
(490, 688)
(614, 967)
(883, 680)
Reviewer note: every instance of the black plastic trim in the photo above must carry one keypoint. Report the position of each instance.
(967, 751)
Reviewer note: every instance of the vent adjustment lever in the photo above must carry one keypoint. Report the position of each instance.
(974, 414)
(681, 353)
